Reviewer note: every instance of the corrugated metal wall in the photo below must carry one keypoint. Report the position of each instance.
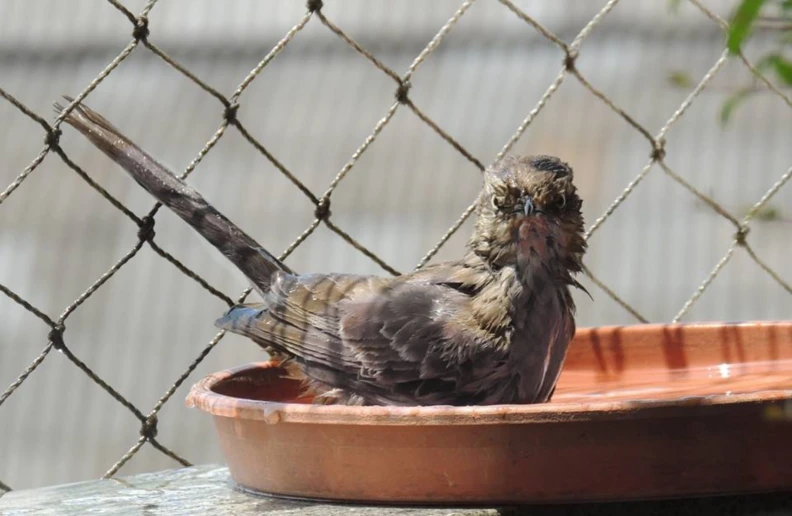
(312, 107)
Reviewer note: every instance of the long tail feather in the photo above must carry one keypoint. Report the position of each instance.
(236, 245)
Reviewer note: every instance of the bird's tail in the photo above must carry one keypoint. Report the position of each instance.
(240, 317)
(236, 245)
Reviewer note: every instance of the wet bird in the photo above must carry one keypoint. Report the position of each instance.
(490, 328)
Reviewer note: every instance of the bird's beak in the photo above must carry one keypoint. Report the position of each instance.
(529, 208)
(528, 205)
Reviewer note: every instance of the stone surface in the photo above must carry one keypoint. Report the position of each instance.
(200, 490)
(205, 490)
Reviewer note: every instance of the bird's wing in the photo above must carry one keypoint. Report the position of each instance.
(396, 340)
(300, 316)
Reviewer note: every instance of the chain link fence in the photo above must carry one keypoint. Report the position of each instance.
(308, 195)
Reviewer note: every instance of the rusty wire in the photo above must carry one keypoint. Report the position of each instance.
(141, 37)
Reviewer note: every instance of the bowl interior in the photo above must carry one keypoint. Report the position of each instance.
(267, 382)
(622, 363)
(676, 361)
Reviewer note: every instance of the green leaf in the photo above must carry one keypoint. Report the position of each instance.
(766, 62)
(744, 17)
(680, 79)
(768, 214)
(731, 104)
(783, 70)
(779, 64)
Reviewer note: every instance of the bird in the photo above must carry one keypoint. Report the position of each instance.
(492, 327)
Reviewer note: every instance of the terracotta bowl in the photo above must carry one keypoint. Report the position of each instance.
(640, 412)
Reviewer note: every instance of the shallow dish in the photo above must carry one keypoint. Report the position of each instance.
(645, 411)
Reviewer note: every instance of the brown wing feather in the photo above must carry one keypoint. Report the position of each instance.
(388, 340)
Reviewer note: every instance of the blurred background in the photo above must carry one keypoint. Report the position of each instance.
(312, 107)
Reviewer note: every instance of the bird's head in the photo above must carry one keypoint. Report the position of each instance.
(529, 204)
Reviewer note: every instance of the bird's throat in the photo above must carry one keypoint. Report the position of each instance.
(536, 240)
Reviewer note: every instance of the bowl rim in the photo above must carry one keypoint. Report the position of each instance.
(202, 397)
